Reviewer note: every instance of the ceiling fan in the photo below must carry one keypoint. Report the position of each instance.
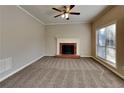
(66, 11)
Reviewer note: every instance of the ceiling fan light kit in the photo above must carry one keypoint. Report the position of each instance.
(66, 15)
(66, 12)
(63, 16)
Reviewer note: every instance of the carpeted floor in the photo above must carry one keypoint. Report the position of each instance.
(51, 72)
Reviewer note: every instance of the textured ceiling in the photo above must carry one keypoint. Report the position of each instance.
(46, 14)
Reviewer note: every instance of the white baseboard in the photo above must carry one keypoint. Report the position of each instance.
(80, 56)
(42, 56)
(20, 68)
(86, 56)
(114, 71)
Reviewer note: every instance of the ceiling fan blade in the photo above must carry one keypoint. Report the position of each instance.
(74, 13)
(57, 15)
(64, 6)
(72, 6)
(56, 9)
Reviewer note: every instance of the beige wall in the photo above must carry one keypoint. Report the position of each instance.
(78, 31)
(115, 14)
(21, 38)
(0, 38)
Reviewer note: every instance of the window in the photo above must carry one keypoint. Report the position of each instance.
(106, 42)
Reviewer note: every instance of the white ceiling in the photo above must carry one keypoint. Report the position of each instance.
(46, 14)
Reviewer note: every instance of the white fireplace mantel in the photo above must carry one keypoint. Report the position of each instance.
(67, 40)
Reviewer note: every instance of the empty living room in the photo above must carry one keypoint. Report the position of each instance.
(61, 46)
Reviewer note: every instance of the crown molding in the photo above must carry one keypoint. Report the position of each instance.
(106, 10)
(24, 10)
(67, 23)
(47, 24)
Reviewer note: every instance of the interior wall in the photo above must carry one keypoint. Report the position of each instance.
(0, 39)
(21, 38)
(78, 31)
(116, 14)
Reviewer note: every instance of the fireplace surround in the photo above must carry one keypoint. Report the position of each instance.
(67, 48)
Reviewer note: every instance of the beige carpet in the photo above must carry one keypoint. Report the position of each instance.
(50, 72)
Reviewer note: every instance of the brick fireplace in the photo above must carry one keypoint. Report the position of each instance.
(67, 48)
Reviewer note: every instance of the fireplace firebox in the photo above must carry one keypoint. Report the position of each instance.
(68, 48)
